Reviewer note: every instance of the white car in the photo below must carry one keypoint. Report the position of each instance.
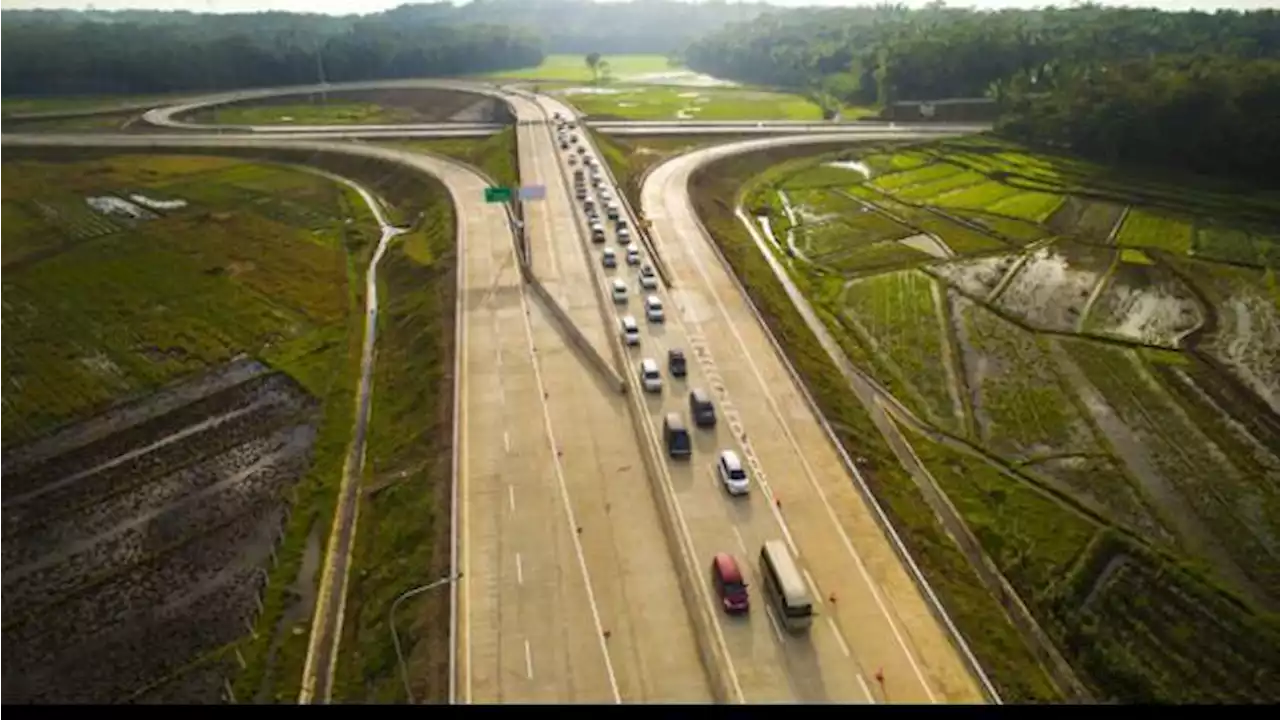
(609, 258)
(648, 282)
(619, 290)
(732, 475)
(650, 376)
(624, 235)
(630, 331)
(633, 255)
(653, 309)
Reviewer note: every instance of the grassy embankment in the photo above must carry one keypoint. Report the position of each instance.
(574, 67)
(403, 530)
(1060, 553)
(23, 106)
(388, 106)
(655, 102)
(630, 158)
(495, 156)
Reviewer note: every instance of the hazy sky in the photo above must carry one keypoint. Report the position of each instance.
(339, 7)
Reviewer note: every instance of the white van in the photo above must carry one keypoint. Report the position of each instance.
(653, 309)
(630, 331)
(784, 587)
(619, 290)
(650, 376)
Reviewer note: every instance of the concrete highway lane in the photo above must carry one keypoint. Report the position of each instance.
(651, 648)
(526, 629)
(872, 618)
(768, 665)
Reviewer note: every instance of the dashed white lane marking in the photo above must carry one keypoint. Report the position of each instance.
(511, 497)
(528, 661)
(866, 690)
(741, 545)
(520, 574)
(506, 441)
(839, 639)
(773, 623)
(813, 588)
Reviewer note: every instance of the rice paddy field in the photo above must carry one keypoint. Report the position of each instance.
(1085, 362)
(183, 340)
(661, 102)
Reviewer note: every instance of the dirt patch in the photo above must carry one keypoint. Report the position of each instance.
(976, 278)
(142, 547)
(1052, 287)
(927, 244)
(1145, 304)
(1092, 220)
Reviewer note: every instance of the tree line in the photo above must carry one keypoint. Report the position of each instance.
(61, 52)
(70, 53)
(1191, 89)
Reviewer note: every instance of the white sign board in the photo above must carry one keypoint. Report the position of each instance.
(533, 192)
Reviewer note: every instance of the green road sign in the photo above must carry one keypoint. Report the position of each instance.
(497, 194)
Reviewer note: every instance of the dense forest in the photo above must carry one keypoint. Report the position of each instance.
(67, 53)
(1192, 90)
(61, 52)
(583, 26)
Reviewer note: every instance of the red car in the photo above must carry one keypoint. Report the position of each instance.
(730, 587)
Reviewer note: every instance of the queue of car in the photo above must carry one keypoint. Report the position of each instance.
(778, 570)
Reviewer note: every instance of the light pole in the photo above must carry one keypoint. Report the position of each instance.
(395, 636)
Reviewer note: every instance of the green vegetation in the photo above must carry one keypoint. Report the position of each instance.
(1044, 480)
(630, 158)
(402, 535)
(23, 106)
(67, 53)
(495, 155)
(1023, 407)
(260, 260)
(656, 102)
(1008, 661)
(1146, 229)
(898, 313)
(334, 113)
(139, 303)
(575, 68)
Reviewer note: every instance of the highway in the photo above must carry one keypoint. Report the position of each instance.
(764, 418)
(570, 592)
(806, 490)
(540, 595)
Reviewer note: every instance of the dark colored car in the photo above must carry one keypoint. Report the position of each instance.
(676, 364)
(701, 408)
(730, 587)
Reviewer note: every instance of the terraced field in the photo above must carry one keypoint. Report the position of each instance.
(155, 535)
(1093, 383)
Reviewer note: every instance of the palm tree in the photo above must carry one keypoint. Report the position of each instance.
(593, 62)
